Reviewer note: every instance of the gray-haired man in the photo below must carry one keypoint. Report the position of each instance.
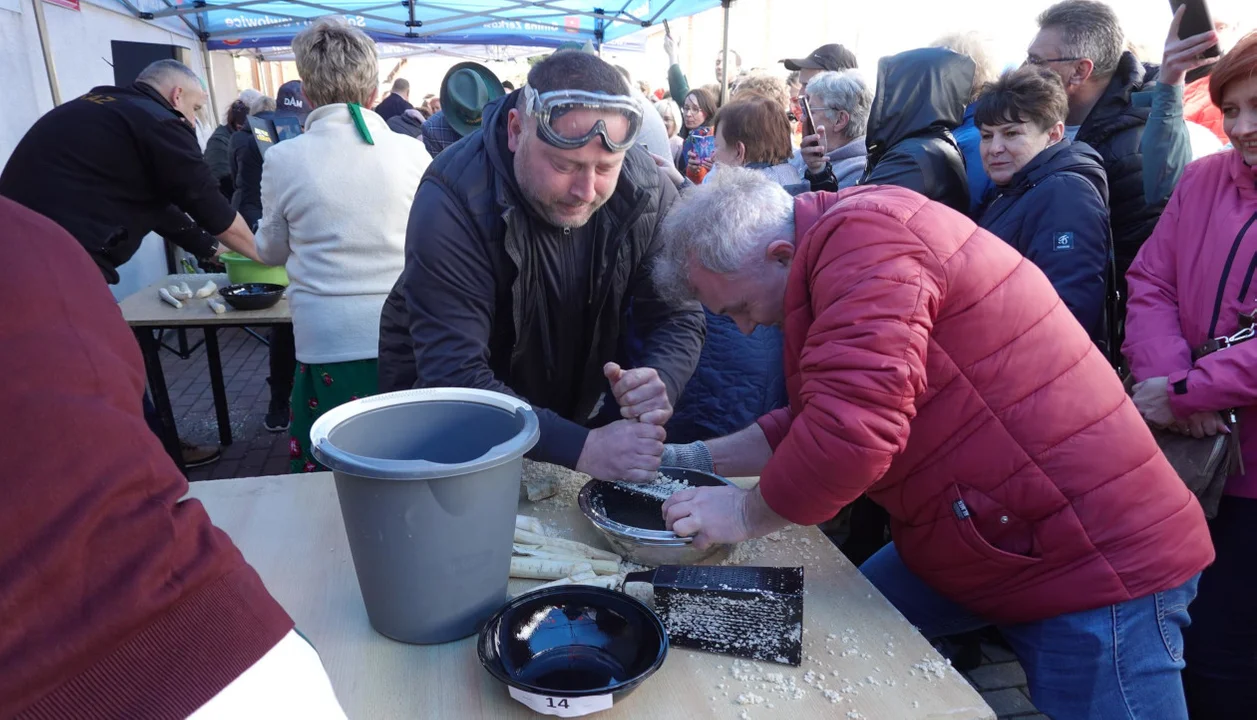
(118, 163)
(1082, 42)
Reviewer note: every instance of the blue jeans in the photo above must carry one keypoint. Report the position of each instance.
(1120, 662)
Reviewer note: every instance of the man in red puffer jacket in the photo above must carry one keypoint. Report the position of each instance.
(931, 366)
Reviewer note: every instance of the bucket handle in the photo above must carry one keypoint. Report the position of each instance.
(337, 459)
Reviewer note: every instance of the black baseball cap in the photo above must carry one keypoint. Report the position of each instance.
(832, 57)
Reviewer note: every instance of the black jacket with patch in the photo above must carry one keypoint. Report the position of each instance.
(1055, 212)
(470, 308)
(111, 167)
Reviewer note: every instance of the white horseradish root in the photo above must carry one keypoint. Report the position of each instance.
(559, 544)
(544, 569)
(169, 298)
(602, 567)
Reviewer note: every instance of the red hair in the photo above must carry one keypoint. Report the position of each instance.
(1238, 64)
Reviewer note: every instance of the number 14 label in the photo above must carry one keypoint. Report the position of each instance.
(562, 706)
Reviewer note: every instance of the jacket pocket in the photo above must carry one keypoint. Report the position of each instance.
(992, 531)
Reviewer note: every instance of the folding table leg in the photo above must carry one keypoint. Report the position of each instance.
(217, 386)
(150, 346)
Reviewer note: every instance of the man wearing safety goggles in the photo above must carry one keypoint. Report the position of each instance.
(528, 260)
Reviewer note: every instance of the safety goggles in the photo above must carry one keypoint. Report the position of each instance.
(551, 108)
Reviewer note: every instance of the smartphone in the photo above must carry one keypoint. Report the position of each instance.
(666, 30)
(1196, 20)
(809, 125)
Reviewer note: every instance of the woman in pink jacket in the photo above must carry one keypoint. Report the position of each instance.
(1193, 281)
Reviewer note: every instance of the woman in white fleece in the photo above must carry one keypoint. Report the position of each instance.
(335, 201)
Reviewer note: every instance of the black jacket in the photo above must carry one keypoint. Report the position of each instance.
(217, 157)
(921, 97)
(469, 309)
(392, 105)
(111, 167)
(1114, 128)
(246, 171)
(1055, 213)
(406, 125)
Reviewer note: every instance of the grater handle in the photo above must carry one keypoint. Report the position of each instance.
(644, 576)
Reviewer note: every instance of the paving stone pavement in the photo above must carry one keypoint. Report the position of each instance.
(1002, 683)
(255, 451)
(245, 367)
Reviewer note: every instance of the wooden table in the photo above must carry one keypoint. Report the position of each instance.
(289, 528)
(148, 316)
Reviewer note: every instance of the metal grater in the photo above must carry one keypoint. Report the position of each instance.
(750, 612)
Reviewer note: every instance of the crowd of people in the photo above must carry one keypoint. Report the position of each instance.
(963, 301)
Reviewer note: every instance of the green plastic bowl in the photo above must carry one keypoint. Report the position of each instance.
(241, 269)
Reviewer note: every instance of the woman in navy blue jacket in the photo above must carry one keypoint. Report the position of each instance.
(1050, 199)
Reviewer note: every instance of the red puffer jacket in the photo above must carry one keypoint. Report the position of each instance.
(932, 366)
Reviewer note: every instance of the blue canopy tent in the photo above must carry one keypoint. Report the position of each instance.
(269, 24)
(238, 24)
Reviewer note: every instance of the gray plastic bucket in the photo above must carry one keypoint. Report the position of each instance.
(428, 482)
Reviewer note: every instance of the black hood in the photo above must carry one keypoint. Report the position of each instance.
(1065, 156)
(918, 91)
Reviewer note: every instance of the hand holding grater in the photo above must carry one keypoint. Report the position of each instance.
(750, 612)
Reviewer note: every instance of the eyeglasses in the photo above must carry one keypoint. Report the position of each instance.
(548, 108)
(1032, 60)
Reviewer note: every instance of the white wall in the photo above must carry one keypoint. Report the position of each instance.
(82, 55)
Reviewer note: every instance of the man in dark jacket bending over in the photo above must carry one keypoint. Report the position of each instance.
(527, 244)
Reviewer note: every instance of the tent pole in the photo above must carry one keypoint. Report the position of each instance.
(209, 80)
(724, 61)
(41, 23)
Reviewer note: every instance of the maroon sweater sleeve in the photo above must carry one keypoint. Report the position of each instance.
(118, 598)
(873, 290)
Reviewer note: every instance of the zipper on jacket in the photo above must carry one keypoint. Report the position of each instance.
(1226, 273)
(1252, 265)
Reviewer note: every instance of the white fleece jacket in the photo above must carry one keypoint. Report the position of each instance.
(334, 212)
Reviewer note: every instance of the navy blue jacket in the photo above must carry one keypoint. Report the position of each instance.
(738, 379)
(969, 138)
(1055, 212)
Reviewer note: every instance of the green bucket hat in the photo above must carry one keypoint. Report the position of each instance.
(466, 89)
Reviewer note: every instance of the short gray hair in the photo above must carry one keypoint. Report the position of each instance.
(846, 91)
(166, 74)
(261, 104)
(337, 63)
(721, 224)
(1089, 29)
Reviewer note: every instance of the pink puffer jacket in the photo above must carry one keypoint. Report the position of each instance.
(1190, 282)
(930, 364)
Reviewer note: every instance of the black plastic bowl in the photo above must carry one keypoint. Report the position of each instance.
(573, 642)
(252, 296)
